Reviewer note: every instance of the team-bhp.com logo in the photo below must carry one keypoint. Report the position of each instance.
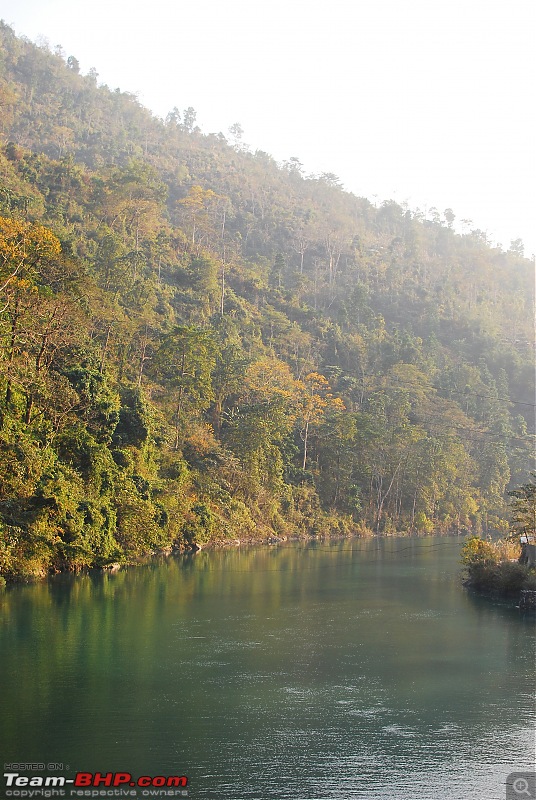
(22, 785)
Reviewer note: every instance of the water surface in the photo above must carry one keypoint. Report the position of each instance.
(339, 670)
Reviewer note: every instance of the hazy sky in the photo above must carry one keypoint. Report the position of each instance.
(427, 101)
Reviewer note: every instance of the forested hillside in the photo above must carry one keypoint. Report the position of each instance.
(198, 343)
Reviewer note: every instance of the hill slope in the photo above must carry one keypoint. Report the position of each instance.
(198, 343)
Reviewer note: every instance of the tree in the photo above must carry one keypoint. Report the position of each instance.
(173, 118)
(337, 459)
(450, 216)
(35, 324)
(315, 400)
(189, 116)
(40, 327)
(134, 208)
(23, 247)
(524, 509)
(261, 418)
(73, 64)
(196, 209)
(237, 132)
(517, 247)
(184, 362)
(228, 377)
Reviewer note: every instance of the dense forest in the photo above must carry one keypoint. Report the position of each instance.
(200, 344)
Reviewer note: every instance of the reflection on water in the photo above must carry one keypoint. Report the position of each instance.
(348, 669)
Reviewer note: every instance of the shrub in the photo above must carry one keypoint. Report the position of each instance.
(491, 566)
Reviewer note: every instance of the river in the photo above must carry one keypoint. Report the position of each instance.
(312, 671)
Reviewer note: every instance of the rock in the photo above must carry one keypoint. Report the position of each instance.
(112, 567)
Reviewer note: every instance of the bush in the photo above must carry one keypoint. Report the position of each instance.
(511, 577)
(491, 566)
(422, 523)
(478, 552)
(200, 525)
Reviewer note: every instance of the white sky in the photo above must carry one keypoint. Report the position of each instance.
(429, 101)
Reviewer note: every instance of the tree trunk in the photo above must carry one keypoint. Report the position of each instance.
(305, 446)
(29, 407)
(101, 367)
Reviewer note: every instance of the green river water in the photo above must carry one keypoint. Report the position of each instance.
(344, 669)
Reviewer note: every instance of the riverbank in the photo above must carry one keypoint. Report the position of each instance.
(266, 537)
